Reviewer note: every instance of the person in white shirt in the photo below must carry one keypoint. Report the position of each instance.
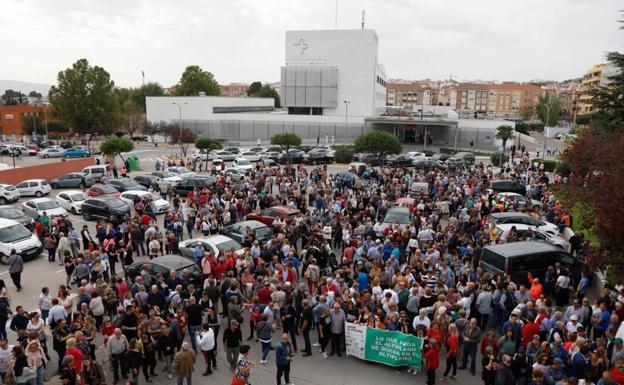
(206, 343)
(422, 319)
(44, 303)
(572, 325)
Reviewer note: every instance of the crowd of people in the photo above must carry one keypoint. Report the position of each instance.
(335, 261)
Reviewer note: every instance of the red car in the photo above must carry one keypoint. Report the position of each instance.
(103, 190)
(267, 216)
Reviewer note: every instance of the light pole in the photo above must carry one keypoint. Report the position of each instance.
(180, 126)
(346, 102)
(45, 119)
(544, 143)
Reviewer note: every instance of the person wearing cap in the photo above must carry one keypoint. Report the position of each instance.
(232, 340)
(572, 325)
(616, 351)
(555, 372)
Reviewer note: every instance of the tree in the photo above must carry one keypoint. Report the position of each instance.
(267, 92)
(195, 80)
(32, 122)
(286, 141)
(608, 100)
(254, 88)
(184, 140)
(380, 143)
(115, 146)
(138, 95)
(34, 94)
(84, 98)
(133, 117)
(549, 117)
(527, 112)
(13, 98)
(523, 128)
(504, 133)
(203, 143)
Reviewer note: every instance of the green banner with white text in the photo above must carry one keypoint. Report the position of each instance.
(382, 346)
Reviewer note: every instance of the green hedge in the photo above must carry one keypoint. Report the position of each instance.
(343, 154)
(496, 159)
(549, 165)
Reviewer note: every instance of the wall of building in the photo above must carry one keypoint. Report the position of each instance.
(11, 120)
(48, 171)
(161, 108)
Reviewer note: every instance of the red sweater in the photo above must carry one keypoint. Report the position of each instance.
(432, 355)
(452, 343)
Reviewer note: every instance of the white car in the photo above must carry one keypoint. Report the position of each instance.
(33, 187)
(14, 236)
(539, 234)
(415, 155)
(23, 149)
(521, 199)
(71, 200)
(8, 194)
(225, 155)
(36, 207)
(215, 243)
(180, 171)
(51, 153)
(158, 204)
(200, 155)
(233, 174)
(169, 177)
(251, 156)
(242, 164)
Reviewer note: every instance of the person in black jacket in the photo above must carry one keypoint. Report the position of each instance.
(167, 345)
(232, 340)
(504, 374)
(134, 360)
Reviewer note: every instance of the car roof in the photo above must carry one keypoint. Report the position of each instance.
(518, 226)
(405, 210)
(71, 192)
(136, 192)
(513, 249)
(170, 261)
(6, 207)
(251, 223)
(211, 239)
(39, 200)
(33, 180)
(285, 209)
(7, 222)
(509, 214)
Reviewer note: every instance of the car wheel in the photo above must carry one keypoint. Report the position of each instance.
(86, 215)
(55, 185)
(3, 259)
(46, 155)
(38, 194)
(3, 201)
(73, 210)
(85, 155)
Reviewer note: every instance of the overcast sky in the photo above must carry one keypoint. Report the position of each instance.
(243, 40)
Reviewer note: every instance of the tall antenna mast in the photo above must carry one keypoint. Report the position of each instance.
(363, 16)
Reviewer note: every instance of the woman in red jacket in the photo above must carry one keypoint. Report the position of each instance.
(452, 351)
(432, 355)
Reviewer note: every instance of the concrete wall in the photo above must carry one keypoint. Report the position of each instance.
(46, 171)
(161, 108)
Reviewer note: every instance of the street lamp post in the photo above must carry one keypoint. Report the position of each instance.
(544, 143)
(45, 119)
(346, 102)
(180, 126)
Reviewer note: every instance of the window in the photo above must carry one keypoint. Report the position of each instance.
(532, 262)
(493, 259)
(33, 184)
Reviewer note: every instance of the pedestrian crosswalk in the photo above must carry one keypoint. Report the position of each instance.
(154, 159)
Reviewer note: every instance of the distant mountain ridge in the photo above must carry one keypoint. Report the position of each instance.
(24, 87)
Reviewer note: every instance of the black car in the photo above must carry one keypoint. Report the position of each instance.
(107, 208)
(461, 159)
(429, 164)
(125, 185)
(185, 269)
(371, 159)
(17, 215)
(193, 182)
(306, 148)
(238, 231)
(66, 144)
(146, 180)
(504, 185)
(294, 156)
(399, 160)
(318, 157)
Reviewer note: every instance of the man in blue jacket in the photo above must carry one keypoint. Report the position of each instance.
(283, 355)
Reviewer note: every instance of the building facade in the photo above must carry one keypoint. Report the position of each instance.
(597, 76)
(506, 100)
(234, 89)
(12, 118)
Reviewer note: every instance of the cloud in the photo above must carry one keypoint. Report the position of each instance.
(243, 40)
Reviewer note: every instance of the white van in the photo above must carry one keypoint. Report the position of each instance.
(33, 187)
(98, 172)
(15, 236)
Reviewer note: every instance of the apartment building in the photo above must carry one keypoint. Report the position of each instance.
(409, 95)
(597, 76)
(234, 89)
(511, 100)
(469, 96)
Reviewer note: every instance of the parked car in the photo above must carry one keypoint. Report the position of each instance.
(371, 159)
(125, 184)
(232, 149)
(200, 155)
(429, 164)
(14, 236)
(168, 177)
(75, 153)
(158, 204)
(147, 180)
(107, 208)
(506, 185)
(520, 200)
(347, 179)
(520, 258)
(267, 216)
(33, 149)
(225, 155)
(185, 269)
(17, 215)
(25, 151)
(73, 180)
(295, 156)
(182, 172)
(232, 175)
(33, 187)
(267, 162)
(397, 215)
(102, 190)
(238, 231)
(461, 159)
(306, 147)
(250, 156)
(65, 144)
(189, 184)
(8, 193)
(242, 164)
(215, 243)
(98, 172)
(399, 160)
(532, 232)
(36, 207)
(318, 157)
(71, 200)
(522, 218)
(440, 157)
(51, 152)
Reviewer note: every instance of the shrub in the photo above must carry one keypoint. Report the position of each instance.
(498, 159)
(343, 154)
(563, 168)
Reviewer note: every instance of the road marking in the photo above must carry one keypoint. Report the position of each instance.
(59, 271)
(3, 273)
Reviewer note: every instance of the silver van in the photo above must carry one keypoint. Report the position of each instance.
(98, 172)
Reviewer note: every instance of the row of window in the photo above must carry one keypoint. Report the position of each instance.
(381, 81)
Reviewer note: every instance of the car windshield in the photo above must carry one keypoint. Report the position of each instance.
(8, 187)
(13, 233)
(243, 162)
(394, 216)
(11, 214)
(78, 197)
(107, 189)
(154, 196)
(47, 205)
(229, 245)
(114, 203)
(166, 174)
(183, 171)
(263, 232)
